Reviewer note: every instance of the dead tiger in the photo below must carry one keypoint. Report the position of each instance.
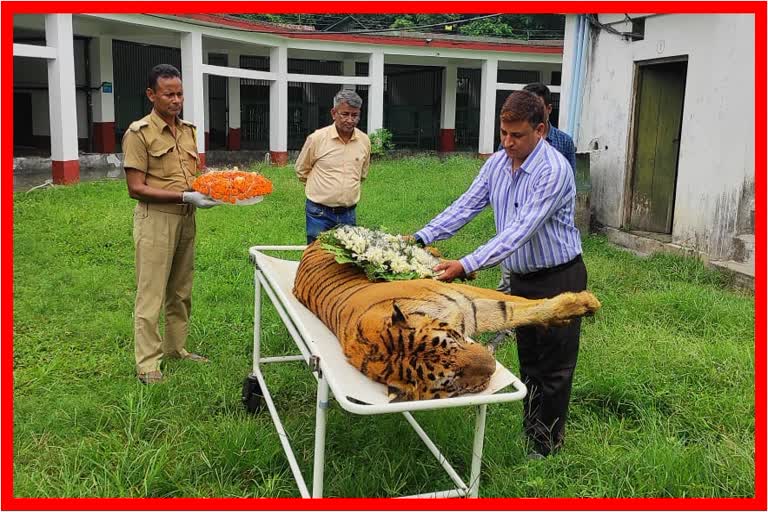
(413, 335)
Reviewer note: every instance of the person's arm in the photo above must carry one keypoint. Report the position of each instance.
(139, 190)
(571, 155)
(366, 162)
(305, 161)
(199, 166)
(461, 211)
(135, 165)
(552, 190)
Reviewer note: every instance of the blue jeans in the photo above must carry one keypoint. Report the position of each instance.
(322, 218)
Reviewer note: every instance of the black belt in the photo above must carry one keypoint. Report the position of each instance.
(550, 270)
(335, 209)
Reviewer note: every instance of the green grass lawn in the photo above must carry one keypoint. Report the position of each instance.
(663, 399)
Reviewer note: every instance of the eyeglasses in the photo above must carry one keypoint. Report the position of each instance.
(348, 115)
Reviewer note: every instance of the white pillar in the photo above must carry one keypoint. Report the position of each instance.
(192, 75)
(376, 91)
(278, 105)
(61, 97)
(233, 104)
(206, 101)
(348, 69)
(448, 109)
(101, 71)
(487, 106)
(233, 92)
(103, 99)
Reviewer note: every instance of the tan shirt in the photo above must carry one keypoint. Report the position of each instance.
(170, 162)
(332, 169)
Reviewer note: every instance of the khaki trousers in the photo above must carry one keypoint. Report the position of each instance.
(164, 237)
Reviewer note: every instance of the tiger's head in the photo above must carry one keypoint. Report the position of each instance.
(438, 361)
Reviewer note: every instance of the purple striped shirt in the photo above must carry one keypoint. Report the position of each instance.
(533, 210)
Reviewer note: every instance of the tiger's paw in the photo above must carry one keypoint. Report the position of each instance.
(574, 305)
(396, 394)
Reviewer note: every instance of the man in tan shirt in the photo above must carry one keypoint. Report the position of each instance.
(333, 163)
(160, 161)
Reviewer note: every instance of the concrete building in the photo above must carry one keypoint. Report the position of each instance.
(79, 81)
(663, 105)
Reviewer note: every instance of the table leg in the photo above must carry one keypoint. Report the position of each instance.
(321, 415)
(256, 320)
(477, 451)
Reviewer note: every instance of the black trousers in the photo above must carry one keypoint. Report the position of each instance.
(548, 355)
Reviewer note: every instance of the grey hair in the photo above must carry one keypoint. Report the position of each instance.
(349, 97)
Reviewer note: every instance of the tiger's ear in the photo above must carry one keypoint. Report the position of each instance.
(397, 315)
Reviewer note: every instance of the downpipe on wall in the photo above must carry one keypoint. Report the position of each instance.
(581, 81)
(575, 73)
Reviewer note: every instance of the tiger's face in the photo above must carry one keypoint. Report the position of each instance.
(434, 359)
(477, 366)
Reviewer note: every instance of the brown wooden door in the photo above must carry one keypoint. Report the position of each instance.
(657, 142)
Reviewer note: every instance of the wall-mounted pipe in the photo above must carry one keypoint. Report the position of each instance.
(575, 74)
(574, 56)
(581, 83)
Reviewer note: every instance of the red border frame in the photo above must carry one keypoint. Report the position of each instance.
(9, 502)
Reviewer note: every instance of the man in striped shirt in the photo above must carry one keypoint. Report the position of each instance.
(531, 188)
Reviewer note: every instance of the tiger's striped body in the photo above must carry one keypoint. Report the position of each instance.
(413, 335)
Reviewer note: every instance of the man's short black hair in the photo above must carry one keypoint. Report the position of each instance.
(540, 90)
(162, 71)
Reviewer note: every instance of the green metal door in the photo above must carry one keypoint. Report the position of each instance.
(218, 111)
(657, 142)
(132, 64)
(22, 119)
(412, 105)
(254, 105)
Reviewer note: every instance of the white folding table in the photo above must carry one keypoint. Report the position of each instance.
(352, 390)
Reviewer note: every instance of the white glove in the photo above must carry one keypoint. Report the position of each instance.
(199, 199)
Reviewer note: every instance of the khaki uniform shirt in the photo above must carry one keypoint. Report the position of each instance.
(332, 169)
(170, 163)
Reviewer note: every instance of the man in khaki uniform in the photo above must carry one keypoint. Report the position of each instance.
(160, 164)
(333, 163)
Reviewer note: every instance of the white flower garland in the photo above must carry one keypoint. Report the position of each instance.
(381, 255)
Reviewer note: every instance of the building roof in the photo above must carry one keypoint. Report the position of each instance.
(393, 37)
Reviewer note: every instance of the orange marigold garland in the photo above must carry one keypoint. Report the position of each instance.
(233, 186)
